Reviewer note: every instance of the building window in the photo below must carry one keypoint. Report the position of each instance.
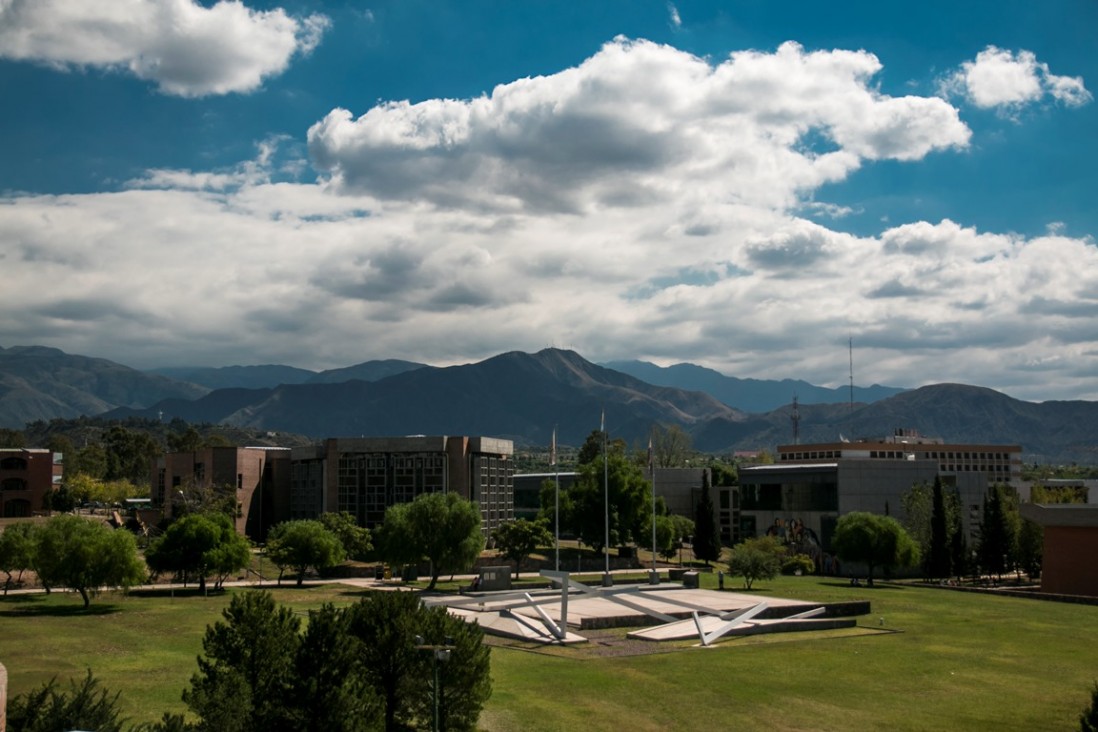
(13, 484)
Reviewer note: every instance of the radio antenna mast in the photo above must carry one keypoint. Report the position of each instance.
(850, 346)
(795, 417)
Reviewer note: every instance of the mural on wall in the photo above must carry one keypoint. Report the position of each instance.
(801, 539)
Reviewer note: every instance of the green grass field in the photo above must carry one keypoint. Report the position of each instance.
(940, 660)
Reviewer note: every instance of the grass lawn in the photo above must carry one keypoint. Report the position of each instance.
(940, 660)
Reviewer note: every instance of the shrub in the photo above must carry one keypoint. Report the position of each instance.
(801, 562)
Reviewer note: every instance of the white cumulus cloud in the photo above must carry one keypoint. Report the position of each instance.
(183, 47)
(644, 204)
(1001, 78)
(629, 125)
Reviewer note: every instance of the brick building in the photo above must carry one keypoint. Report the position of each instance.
(363, 476)
(257, 479)
(27, 477)
(1070, 545)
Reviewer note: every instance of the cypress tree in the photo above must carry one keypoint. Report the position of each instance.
(707, 539)
(938, 559)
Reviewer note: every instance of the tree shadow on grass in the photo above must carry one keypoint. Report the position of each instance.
(878, 584)
(184, 592)
(34, 606)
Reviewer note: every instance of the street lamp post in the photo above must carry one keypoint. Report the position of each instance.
(438, 653)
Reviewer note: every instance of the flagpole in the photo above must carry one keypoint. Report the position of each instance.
(556, 498)
(652, 471)
(606, 492)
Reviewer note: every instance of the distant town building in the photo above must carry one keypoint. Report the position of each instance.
(27, 478)
(360, 475)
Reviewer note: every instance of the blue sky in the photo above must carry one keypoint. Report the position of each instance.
(743, 185)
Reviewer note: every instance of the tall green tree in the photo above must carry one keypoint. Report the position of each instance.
(1031, 539)
(876, 541)
(85, 705)
(918, 505)
(517, 540)
(938, 559)
(400, 668)
(442, 528)
(130, 454)
(302, 544)
(245, 677)
(18, 546)
(958, 549)
(707, 537)
(591, 450)
(331, 692)
(86, 556)
(356, 540)
(200, 545)
(630, 502)
(997, 549)
(89, 460)
(671, 446)
(464, 678)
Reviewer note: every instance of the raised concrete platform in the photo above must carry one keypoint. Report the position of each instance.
(536, 616)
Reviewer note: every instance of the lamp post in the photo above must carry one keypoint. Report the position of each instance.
(438, 653)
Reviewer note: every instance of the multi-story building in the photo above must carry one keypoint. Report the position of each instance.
(998, 463)
(27, 478)
(256, 479)
(528, 491)
(366, 475)
(363, 476)
(811, 486)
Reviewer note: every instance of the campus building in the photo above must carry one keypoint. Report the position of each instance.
(811, 486)
(1070, 545)
(528, 491)
(27, 478)
(255, 478)
(366, 475)
(362, 476)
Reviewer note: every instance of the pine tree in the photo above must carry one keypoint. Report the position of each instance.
(959, 548)
(938, 559)
(1088, 720)
(998, 533)
(707, 538)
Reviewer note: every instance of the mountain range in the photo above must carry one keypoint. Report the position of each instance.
(523, 396)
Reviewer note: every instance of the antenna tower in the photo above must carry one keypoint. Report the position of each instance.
(796, 419)
(850, 346)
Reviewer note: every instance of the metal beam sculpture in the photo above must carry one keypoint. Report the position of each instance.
(488, 608)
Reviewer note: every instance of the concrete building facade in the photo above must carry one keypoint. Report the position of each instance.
(528, 491)
(27, 478)
(366, 475)
(811, 486)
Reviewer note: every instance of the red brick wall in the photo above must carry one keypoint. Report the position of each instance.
(1069, 566)
(38, 478)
